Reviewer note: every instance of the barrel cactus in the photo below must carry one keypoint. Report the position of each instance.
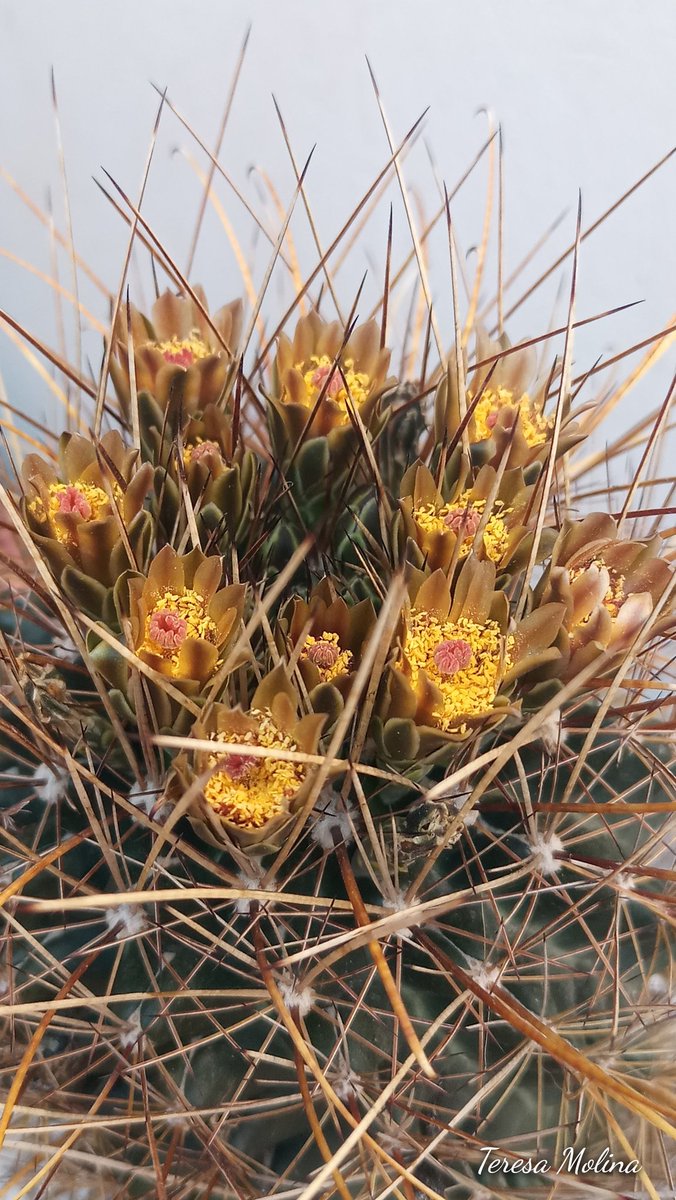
(337, 791)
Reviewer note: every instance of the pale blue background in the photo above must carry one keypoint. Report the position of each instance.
(584, 92)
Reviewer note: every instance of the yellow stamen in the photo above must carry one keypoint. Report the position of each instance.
(183, 351)
(470, 692)
(533, 424)
(341, 661)
(251, 798)
(495, 535)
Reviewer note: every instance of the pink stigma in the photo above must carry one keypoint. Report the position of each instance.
(202, 449)
(322, 654)
(168, 630)
(463, 520)
(492, 418)
(71, 500)
(333, 375)
(182, 358)
(238, 766)
(452, 655)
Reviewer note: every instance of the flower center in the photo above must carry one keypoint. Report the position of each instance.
(452, 655)
(463, 520)
(534, 425)
(319, 369)
(327, 656)
(173, 619)
(168, 629)
(72, 500)
(320, 377)
(323, 653)
(250, 789)
(183, 352)
(463, 659)
(84, 500)
(238, 766)
(463, 517)
(199, 450)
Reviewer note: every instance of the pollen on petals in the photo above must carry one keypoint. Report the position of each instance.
(452, 655)
(168, 629)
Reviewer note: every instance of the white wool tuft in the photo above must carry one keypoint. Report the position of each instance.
(132, 1036)
(50, 784)
(126, 920)
(624, 883)
(295, 995)
(331, 814)
(251, 881)
(544, 850)
(144, 796)
(551, 733)
(484, 974)
(396, 903)
(65, 649)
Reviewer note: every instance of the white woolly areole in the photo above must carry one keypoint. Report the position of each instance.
(346, 1083)
(551, 732)
(624, 883)
(484, 974)
(295, 995)
(458, 800)
(132, 1035)
(251, 881)
(65, 648)
(544, 850)
(331, 815)
(397, 903)
(4, 981)
(659, 989)
(49, 784)
(143, 796)
(126, 920)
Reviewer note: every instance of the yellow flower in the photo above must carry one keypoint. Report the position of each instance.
(463, 517)
(323, 378)
(248, 789)
(464, 660)
(77, 508)
(326, 654)
(459, 659)
(504, 405)
(181, 359)
(319, 379)
(181, 620)
(241, 797)
(506, 402)
(435, 517)
(609, 587)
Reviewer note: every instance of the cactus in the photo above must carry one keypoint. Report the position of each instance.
(337, 837)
